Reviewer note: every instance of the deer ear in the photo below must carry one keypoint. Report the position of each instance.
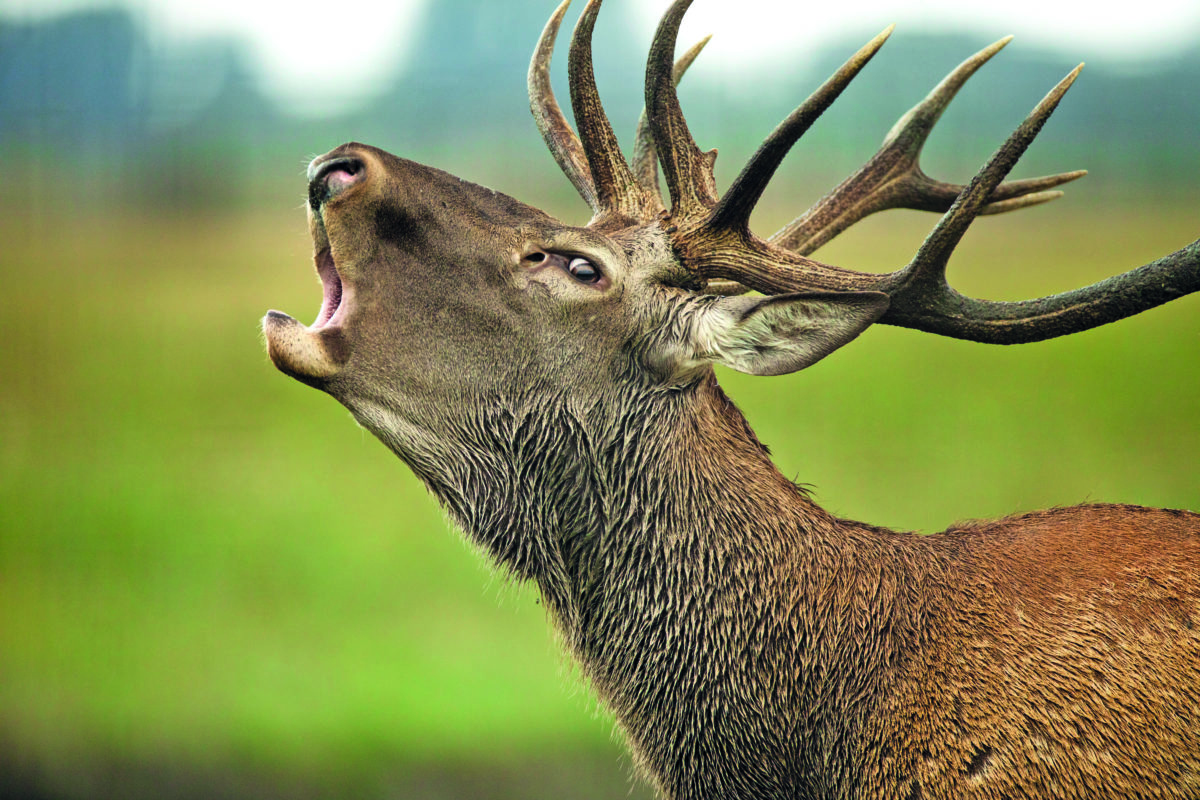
(785, 333)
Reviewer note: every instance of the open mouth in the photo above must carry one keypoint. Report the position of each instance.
(317, 352)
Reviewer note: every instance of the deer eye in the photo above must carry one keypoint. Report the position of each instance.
(582, 270)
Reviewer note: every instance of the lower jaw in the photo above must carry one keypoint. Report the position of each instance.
(312, 356)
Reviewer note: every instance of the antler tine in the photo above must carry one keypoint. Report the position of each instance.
(688, 170)
(929, 264)
(1035, 199)
(864, 192)
(921, 299)
(617, 190)
(556, 131)
(938, 196)
(733, 211)
(919, 121)
(645, 157)
(893, 177)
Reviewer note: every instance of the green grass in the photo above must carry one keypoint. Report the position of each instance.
(204, 563)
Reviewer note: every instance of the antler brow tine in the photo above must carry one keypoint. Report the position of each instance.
(564, 145)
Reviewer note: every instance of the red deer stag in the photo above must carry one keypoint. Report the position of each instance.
(552, 385)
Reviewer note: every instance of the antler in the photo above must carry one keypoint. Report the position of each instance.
(921, 298)
(893, 177)
(592, 160)
(645, 155)
(712, 237)
(556, 131)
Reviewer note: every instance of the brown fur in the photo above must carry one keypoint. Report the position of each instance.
(1068, 665)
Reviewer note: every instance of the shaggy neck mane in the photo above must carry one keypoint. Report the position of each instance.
(688, 576)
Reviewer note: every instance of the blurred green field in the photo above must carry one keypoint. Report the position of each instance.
(213, 584)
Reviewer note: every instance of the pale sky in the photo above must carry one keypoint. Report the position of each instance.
(315, 49)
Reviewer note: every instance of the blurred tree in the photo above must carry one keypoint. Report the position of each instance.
(66, 83)
(87, 100)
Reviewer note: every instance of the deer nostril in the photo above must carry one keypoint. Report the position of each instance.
(332, 177)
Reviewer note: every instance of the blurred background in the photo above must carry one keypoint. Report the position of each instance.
(213, 585)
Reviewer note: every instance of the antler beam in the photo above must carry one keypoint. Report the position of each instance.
(921, 298)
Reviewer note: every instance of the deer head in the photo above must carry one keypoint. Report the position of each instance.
(553, 384)
(435, 286)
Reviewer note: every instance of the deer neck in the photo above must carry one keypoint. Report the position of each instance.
(569, 493)
(683, 570)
